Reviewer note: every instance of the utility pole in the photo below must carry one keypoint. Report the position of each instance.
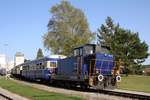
(5, 45)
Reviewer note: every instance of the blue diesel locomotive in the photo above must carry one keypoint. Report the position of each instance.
(89, 66)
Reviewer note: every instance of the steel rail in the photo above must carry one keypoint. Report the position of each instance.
(124, 94)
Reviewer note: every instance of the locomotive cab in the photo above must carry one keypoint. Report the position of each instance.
(84, 50)
(84, 54)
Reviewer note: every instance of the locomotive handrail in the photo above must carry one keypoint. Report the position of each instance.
(104, 60)
(90, 69)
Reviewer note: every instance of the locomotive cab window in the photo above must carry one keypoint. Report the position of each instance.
(81, 51)
(76, 52)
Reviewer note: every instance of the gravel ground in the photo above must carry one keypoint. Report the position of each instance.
(85, 95)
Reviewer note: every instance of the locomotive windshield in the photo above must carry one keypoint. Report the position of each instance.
(88, 50)
(84, 50)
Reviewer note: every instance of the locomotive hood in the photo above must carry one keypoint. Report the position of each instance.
(104, 63)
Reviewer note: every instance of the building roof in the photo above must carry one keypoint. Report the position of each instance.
(19, 54)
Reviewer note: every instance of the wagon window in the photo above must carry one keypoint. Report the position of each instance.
(53, 64)
(40, 64)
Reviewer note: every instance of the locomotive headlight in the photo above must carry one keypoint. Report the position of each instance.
(100, 77)
(118, 78)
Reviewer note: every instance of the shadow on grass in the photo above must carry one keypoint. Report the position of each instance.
(54, 97)
(44, 95)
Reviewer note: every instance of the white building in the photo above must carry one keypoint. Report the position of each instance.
(19, 58)
(2, 61)
(8, 65)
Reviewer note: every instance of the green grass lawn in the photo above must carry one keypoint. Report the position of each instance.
(132, 82)
(32, 93)
(135, 83)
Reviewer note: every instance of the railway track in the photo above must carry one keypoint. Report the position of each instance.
(4, 97)
(126, 94)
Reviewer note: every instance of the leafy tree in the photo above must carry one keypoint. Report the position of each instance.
(39, 54)
(67, 28)
(26, 60)
(124, 44)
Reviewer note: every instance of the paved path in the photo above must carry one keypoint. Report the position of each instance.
(11, 95)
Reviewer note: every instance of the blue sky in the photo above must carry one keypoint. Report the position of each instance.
(24, 22)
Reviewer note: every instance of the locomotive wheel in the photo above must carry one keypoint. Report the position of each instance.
(73, 85)
(99, 86)
(113, 81)
(109, 83)
(84, 86)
